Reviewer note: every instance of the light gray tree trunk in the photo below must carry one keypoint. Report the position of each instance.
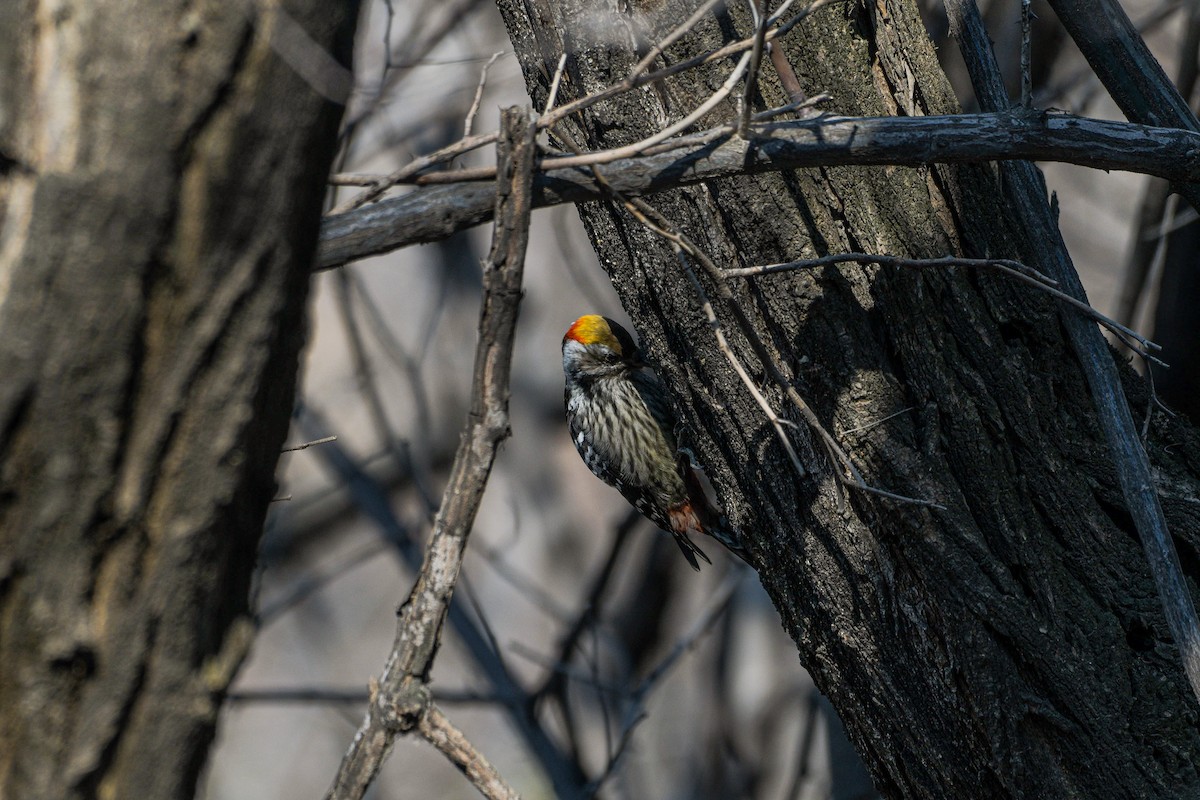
(161, 173)
(1011, 645)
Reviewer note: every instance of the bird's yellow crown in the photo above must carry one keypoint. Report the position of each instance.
(593, 329)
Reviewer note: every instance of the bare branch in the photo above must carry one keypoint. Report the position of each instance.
(1083, 77)
(434, 213)
(306, 445)
(670, 39)
(372, 500)
(298, 695)
(635, 79)
(470, 120)
(588, 614)
(420, 41)
(760, 34)
(776, 422)
(400, 702)
(1133, 76)
(631, 150)
(1001, 264)
(874, 423)
(439, 732)
(787, 75)
(554, 84)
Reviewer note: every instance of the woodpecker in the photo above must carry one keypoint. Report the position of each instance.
(623, 426)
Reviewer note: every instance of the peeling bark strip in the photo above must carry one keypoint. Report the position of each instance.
(400, 700)
(1010, 646)
(155, 268)
(430, 214)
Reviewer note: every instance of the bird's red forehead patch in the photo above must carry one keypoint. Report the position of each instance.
(593, 329)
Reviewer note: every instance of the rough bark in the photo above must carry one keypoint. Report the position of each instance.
(1011, 645)
(163, 172)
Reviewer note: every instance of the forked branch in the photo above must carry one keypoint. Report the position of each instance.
(400, 699)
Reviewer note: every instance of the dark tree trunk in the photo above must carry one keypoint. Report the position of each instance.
(1011, 645)
(161, 180)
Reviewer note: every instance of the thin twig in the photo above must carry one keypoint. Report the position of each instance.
(723, 345)
(422, 40)
(470, 120)
(614, 759)
(567, 670)
(636, 79)
(720, 603)
(1151, 401)
(417, 165)
(553, 94)
(662, 44)
(591, 607)
(1014, 269)
(364, 371)
(306, 445)
(388, 64)
(698, 113)
(787, 76)
(297, 695)
(353, 179)
(800, 103)
(760, 34)
(877, 422)
(400, 449)
(529, 588)
(1002, 264)
(661, 142)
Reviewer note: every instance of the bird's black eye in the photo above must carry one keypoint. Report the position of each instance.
(610, 357)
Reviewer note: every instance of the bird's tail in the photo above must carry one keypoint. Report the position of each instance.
(705, 515)
(685, 520)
